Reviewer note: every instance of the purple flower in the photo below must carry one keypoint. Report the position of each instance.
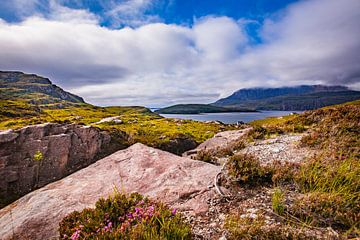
(75, 235)
(173, 212)
(137, 210)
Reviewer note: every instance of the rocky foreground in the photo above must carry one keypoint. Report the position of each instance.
(182, 183)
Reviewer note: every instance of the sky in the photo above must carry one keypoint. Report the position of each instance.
(162, 52)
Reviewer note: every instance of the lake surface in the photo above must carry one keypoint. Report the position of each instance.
(231, 117)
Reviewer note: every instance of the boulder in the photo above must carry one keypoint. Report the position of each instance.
(219, 141)
(64, 149)
(180, 182)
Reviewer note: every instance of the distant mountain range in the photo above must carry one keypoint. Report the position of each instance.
(304, 97)
(33, 89)
(298, 98)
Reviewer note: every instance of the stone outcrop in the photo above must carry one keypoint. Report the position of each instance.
(180, 182)
(219, 141)
(64, 149)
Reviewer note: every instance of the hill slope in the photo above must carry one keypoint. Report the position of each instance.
(33, 89)
(305, 97)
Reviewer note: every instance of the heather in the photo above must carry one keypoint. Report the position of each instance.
(124, 216)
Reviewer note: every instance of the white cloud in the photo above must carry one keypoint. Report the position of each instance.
(131, 12)
(158, 64)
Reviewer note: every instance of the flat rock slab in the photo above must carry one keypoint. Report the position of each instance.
(177, 181)
(283, 148)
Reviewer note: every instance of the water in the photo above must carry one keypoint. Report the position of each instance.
(231, 117)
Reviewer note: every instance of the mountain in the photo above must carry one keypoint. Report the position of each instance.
(304, 97)
(197, 108)
(33, 89)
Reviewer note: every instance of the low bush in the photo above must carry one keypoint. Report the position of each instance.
(245, 168)
(125, 217)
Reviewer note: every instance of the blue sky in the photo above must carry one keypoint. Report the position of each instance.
(161, 52)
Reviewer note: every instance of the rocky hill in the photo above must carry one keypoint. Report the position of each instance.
(305, 97)
(32, 88)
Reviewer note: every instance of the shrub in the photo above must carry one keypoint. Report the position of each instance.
(245, 168)
(283, 172)
(205, 155)
(125, 217)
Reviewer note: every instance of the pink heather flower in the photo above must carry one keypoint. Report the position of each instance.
(173, 212)
(137, 210)
(75, 235)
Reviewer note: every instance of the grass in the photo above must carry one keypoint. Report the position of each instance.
(243, 226)
(277, 201)
(124, 216)
(138, 123)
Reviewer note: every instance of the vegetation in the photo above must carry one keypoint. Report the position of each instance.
(277, 201)
(243, 226)
(245, 168)
(124, 216)
(199, 108)
(139, 123)
(327, 185)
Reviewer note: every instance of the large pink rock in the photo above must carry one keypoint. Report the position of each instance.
(180, 182)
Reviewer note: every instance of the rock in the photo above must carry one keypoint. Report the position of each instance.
(283, 148)
(220, 140)
(179, 145)
(65, 148)
(110, 119)
(7, 136)
(180, 182)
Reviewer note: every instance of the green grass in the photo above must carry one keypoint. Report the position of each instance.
(277, 201)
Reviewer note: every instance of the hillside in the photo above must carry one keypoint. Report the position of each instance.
(28, 99)
(33, 89)
(305, 97)
(197, 108)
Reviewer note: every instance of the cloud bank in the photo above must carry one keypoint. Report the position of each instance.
(156, 64)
